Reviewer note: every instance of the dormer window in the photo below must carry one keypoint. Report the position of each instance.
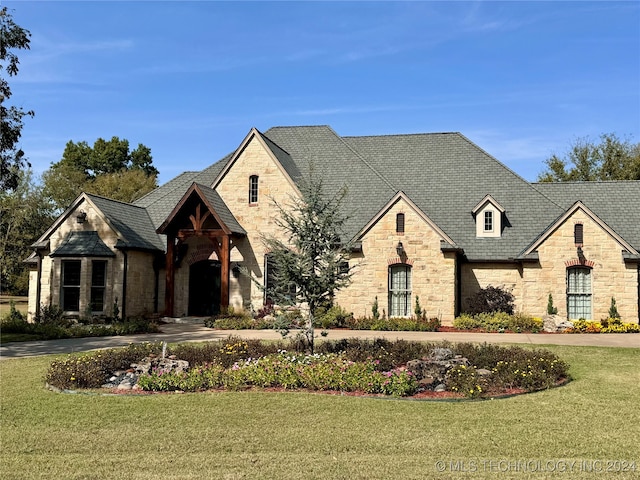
(488, 221)
(488, 215)
(253, 189)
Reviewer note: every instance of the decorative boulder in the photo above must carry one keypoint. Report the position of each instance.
(556, 323)
(160, 365)
(430, 372)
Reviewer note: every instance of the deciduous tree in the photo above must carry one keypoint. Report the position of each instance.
(108, 168)
(24, 211)
(586, 160)
(12, 158)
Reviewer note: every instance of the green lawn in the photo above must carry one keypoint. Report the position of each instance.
(592, 420)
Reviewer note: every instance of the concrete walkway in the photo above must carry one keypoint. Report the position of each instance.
(175, 333)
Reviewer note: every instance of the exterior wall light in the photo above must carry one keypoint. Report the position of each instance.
(400, 249)
(81, 217)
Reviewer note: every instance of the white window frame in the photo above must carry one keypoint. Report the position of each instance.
(579, 293)
(399, 287)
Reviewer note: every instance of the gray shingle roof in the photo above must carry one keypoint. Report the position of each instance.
(617, 203)
(82, 244)
(160, 202)
(444, 174)
(221, 209)
(132, 221)
(338, 165)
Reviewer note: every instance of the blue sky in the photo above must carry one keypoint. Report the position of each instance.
(522, 80)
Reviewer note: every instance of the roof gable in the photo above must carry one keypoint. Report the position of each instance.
(279, 157)
(216, 208)
(567, 215)
(402, 197)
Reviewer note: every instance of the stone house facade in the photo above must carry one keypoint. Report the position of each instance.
(433, 217)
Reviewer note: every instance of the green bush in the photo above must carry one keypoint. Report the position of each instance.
(499, 322)
(490, 300)
(464, 380)
(15, 322)
(91, 370)
(334, 317)
(467, 322)
(286, 370)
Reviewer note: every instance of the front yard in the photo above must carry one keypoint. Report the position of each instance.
(591, 421)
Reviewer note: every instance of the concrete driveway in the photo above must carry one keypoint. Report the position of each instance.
(175, 333)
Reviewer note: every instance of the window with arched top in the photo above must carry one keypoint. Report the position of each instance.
(579, 293)
(399, 290)
(253, 189)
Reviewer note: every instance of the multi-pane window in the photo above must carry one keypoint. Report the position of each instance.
(98, 284)
(579, 293)
(399, 291)
(70, 285)
(488, 221)
(253, 189)
(400, 223)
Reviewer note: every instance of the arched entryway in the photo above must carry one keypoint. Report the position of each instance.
(204, 288)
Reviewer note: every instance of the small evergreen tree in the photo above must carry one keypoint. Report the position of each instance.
(374, 309)
(613, 309)
(312, 264)
(551, 310)
(418, 309)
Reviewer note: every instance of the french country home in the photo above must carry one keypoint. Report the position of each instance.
(430, 216)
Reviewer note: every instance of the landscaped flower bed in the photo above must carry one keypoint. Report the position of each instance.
(609, 325)
(378, 367)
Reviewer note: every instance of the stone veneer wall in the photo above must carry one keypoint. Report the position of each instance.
(433, 272)
(257, 219)
(475, 276)
(51, 267)
(610, 276)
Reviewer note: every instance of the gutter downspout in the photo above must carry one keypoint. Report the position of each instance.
(124, 284)
(38, 283)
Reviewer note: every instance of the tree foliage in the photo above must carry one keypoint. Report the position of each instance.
(12, 158)
(24, 211)
(586, 160)
(312, 263)
(108, 168)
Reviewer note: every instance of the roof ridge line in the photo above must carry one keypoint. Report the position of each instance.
(130, 204)
(357, 154)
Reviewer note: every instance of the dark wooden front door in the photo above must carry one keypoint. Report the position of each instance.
(204, 288)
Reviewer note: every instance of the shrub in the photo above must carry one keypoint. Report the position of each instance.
(15, 322)
(491, 299)
(499, 322)
(374, 309)
(334, 317)
(606, 325)
(551, 310)
(613, 309)
(51, 315)
(286, 370)
(91, 370)
(464, 380)
(467, 322)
